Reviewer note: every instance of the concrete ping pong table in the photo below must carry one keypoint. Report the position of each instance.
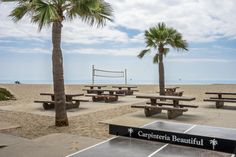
(165, 139)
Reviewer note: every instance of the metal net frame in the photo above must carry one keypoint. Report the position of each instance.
(108, 74)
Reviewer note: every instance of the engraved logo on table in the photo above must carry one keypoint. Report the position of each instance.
(213, 142)
(130, 131)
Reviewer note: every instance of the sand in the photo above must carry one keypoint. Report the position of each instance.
(91, 119)
(34, 121)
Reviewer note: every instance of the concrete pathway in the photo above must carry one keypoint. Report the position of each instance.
(53, 145)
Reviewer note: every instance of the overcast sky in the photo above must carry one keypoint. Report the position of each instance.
(209, 26)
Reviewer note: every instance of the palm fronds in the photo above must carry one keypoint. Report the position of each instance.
(160, 36)
(93, 12)
(143, 52)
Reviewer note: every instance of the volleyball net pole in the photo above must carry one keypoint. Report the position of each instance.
(118, 74)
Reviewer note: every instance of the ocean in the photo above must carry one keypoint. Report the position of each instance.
(115, 81)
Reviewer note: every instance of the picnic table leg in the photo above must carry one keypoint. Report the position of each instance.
(130, 91)
(176, 103)
(52, 97)
(96, 99)
(75, 104)
(68, 98)
(153, 102)
(99, 92)
(219, 104)
(149, 112)
(120, 92)
(180, 93)
(48, 106)
(111, 99)
(173, 114)
(168, 92)
(111, 92)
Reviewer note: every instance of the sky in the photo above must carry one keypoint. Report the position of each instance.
(209, 27)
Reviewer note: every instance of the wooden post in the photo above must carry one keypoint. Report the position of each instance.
(93, 72)
(125, 76)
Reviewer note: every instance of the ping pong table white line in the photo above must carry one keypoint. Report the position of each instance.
(102, 142)
(91, 147)
(233, 155)
(150, 123)
(158, 150)
(190, 128)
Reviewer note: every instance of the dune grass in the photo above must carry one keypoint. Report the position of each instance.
(5, 95)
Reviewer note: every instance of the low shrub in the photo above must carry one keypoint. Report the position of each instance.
(5, 95)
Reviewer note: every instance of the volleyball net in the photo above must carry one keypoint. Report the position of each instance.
(108, 74)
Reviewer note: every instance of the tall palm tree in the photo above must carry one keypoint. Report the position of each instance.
(158, 38)
(54, 12)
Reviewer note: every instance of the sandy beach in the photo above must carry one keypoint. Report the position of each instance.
(31, 121)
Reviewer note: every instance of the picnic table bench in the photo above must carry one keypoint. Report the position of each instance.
(71, 102)
(107, 95)
(128, 89)
(219, 99)
(154, 107)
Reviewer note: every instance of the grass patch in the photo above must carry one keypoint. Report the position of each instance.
(5, 95)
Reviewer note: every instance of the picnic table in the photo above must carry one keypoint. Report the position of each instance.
(128, 89)
(95, 86)
(69, 97)
(172, 91)
(71, 102)
(91, 87)
(153, 107)
(220, 98)
(109, 95)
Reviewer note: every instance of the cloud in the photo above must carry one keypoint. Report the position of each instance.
(215, 49)
(72, 32)
(94, 51)
(26, 50)
(196, 60)
(114, 52)
(78, 32)
(197, 20)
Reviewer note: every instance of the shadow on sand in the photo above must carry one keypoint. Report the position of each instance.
(226, 107)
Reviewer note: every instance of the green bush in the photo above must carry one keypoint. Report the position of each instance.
(5, 95)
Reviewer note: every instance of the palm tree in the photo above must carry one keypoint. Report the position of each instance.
(158, 38)
(54, 12)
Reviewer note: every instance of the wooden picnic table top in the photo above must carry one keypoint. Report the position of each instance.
(221, 93)
(106, 90)
(124, 86)
(152, 96)
(95, 86)
(72, 95)
(171, 88)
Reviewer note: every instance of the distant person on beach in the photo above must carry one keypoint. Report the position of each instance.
(17, 82)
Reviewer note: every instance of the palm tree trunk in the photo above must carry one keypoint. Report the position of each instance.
(161, 75)
(58, 77)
